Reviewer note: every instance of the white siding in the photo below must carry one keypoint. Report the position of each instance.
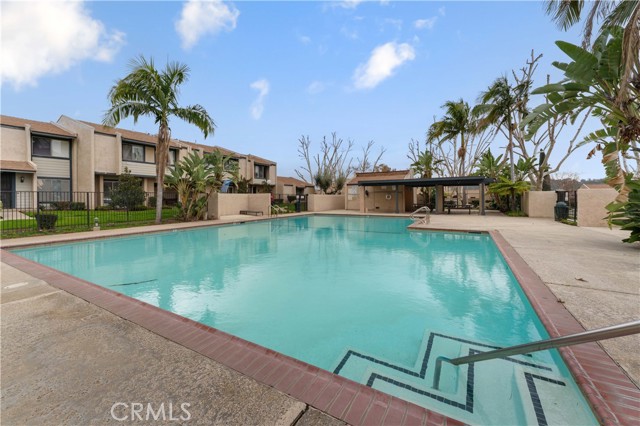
(139, 169)
(52, 167)
(25, 198)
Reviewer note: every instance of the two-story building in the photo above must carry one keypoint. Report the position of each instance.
(71, 156)
(35, 156)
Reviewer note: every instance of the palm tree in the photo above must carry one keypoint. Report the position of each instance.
(612, 13)
(458, 121)
(149, 92)
(499, 104)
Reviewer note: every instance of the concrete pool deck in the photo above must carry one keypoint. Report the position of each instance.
(44, 329)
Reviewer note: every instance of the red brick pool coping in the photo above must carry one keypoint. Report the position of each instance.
(613, 396)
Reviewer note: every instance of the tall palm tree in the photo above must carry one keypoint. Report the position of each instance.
(500, 105)
(147, 91)
(612, 13)
(458, 122)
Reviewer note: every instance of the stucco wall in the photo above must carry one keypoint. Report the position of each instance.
(322, 202)
(83, 156)
(14, 144)
(591, 206)
(230, 204)
(106, 154)
(539, 203)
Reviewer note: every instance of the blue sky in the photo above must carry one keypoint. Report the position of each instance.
(269, 72)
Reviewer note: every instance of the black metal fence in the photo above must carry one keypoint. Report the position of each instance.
(294, 203)
(30, 211)
(572, 202)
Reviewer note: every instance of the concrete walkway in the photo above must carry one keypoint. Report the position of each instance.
(65, 361)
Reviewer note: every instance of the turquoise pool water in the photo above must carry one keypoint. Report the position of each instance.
(360, 296)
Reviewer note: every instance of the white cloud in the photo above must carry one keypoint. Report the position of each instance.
(199, 18)
(425, 23)
(383, 61)
(316, 87)
(51, 37)
(442, 11)
(304, 39)
(349, 4)
(257, 107)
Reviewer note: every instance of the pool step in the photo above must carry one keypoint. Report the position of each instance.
(514, 390)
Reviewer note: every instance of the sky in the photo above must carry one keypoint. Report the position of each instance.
(269, 72)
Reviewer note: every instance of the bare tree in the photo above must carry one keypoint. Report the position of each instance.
(366, 164)
(328, 169)
(567, 181)
(539, 146)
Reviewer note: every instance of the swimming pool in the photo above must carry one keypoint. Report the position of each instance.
(363, 297)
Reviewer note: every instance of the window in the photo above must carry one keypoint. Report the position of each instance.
(131, 152)
(260, 172)
(107, 187)
(47, 147)
(173, 155)
(54, 189)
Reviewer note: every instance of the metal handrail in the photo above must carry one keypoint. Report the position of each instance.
(425, 218)
(610, 332)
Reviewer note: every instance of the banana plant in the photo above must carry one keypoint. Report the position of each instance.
(194, 180)
(593, 80)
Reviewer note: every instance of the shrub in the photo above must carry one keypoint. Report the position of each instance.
(292, 198)
(152, 201)
(77, 206)
(128, 193)
(46, 221)
(60, 205)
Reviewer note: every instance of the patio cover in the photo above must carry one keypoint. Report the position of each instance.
(439, 183)
(424, 182)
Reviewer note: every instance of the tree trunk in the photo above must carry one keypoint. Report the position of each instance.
(512, 170)
(161, 164)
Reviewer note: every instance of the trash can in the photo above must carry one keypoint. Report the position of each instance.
(561, 209)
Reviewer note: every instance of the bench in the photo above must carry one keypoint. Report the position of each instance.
(251, 212)
(465, 207)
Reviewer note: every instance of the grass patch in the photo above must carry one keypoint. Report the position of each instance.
(515, 213)
(78, 221)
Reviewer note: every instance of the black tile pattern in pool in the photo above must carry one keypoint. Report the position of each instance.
(535, 398)
(467, 405)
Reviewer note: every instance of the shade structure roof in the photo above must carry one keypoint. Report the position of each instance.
(423, 182)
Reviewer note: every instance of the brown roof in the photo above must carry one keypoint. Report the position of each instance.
(36, 126)
(595, 186)
(126, 134)
(17, 166)
(225, 151)
(293, 181)
(395, 174)
(260, 159)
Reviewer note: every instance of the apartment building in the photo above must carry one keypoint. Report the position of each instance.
(79, 156)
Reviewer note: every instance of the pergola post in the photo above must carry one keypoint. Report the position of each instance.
(482, 213)
(361, 199)
(397, 200)
(439, 199)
